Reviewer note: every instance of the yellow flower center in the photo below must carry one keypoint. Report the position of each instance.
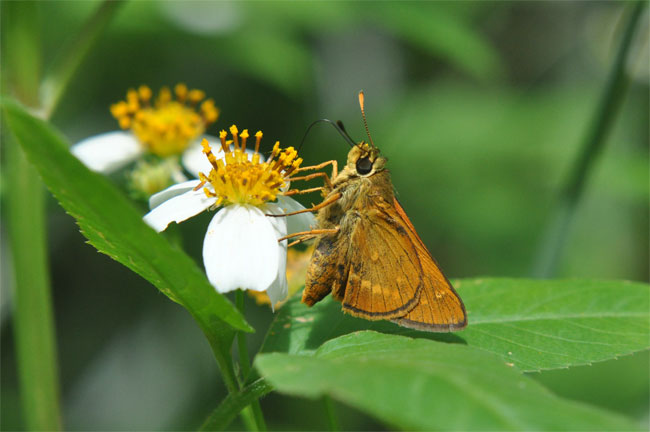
(237, 179)
(167, 126)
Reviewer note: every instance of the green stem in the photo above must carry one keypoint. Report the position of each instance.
(56, 81)
(33, 319)
(224, 414)
(244, 363)
(332, 419)
(223, 358)
(553, 243)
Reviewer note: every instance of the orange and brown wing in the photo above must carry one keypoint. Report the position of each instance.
(383, 270)
(440, 308)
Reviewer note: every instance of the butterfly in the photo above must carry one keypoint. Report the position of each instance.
(368, 254)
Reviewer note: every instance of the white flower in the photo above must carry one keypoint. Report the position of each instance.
(241, 248)
(166, 128)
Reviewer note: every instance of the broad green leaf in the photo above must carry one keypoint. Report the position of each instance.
(416, 384)
(111, 224)
(532, 324)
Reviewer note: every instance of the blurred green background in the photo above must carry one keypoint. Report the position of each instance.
(481, 108)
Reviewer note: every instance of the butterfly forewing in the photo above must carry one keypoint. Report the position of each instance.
(440, 308)
(383, 280)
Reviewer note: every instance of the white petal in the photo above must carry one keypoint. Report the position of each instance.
(107, 152)
(158, 198)
(296, 223)
(279, 289)
(178, 209)
(195, 161)
(240, 249)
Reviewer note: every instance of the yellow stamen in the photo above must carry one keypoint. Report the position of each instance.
(236, 179)
(167, 127)
(235, 134)
(145, 93)
(181, 92)
(244, 137)
(224, 145)
(195, 96)
(258, 138)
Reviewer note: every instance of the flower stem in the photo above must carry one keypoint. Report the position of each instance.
(551, 249)
(332, 419)
(220, 418)
(244, 363)
(33, 318)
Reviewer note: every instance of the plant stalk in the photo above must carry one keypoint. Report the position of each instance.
(33, 317)
(244, 363)
(551, 250)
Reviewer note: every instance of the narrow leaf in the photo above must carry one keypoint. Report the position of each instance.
(532, 324)
(419, 385)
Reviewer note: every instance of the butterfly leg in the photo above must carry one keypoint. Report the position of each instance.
(326, 178)
(325, 203)
(302, 239)
(312, 233)
(304, 191)
(334, 164)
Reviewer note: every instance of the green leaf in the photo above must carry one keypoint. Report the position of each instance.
(115, 227)
(532, 324)
(418, 384)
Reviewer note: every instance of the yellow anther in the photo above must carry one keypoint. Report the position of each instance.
(181, 92)
(235, 134)
(164, 96)
(125, 122)
(119, 109)
(132, 96)
(145, 93)
(224, 144)
(244, 137)
(195, 96)
(258, 139)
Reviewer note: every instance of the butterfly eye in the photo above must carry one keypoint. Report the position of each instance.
(364, 166)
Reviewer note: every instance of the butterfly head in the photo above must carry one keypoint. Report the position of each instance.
(364, 160)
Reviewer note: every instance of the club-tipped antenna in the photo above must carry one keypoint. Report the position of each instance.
(363, 114)
(336, 126)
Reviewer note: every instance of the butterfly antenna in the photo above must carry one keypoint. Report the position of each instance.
(363, 114)
(349, 139)
(339, 128)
